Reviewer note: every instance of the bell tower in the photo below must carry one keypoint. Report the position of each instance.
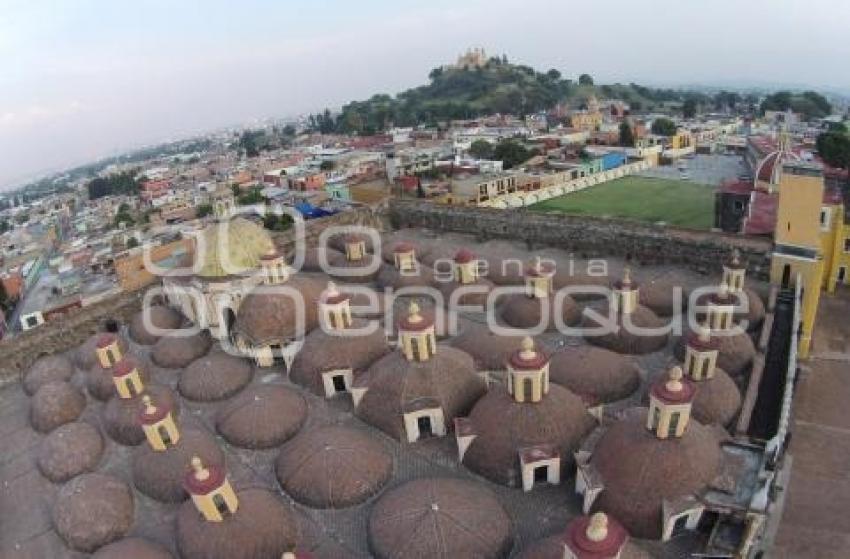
(528, 373)
(404, 257)
(274, 268)
(335, 308)
(670, 402)
(158, 424)
(355, 247)
(625, 296)
(465, 268)
(127, 378)
(108, 350)
(734, 272)
(701, 354)
(211, 491)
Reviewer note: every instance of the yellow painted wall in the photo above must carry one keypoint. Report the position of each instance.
(798, 216)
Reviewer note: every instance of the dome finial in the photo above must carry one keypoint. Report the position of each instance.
(724, 290)
(527, 348)
(331, 289)
(736, 256)
(538, 265)
(627, 275)
(413, 315)
(674, 384)
(597, 528)
(150, 409)
(201, 473)
(703, 332)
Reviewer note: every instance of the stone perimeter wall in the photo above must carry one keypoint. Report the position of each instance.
(589, 237)
(19, 351)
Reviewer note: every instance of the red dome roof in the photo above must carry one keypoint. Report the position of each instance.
(213, 481)
(464, 256)
(584, 547)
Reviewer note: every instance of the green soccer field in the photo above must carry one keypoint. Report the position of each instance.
(680, 203)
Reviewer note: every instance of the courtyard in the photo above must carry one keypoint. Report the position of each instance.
(676, 202)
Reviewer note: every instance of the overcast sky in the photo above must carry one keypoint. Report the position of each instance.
(80, 79)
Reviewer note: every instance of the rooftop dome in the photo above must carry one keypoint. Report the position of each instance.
(475, 298)
(735, 351)
(440, 518)
(160, 316)
(99, 381)
(521, 311)
(486, 348)
(70, 450)
(753, 315)
(93, 510)
(268, 316)
(84, 356)
(717, 400)
(263, 416)
(356, 271)
(505, 426)
(622, 340)
(553, 548)
(396, 386)
(231, 248)
(132, 548)
(261, 527)
(159, 474)
(323, 351)
(640, 470)
(174, 352)
(215, 376)
(333, 467)
(597, 375)
(660, 297)
(56, 403)
(313, 259)
(120, 415)
(392, 277)
(402, 241)
(47, 369)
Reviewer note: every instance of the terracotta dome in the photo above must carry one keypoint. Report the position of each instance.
(99, 383)
(160, 316)
(440, 518)
(85, 356)
(262, 416)
(120, 415)
(578, 277)
(357, 271)
(640, 470)
(70, 450)
(339, 240)
(401, 241)
(597, 375)
(56, 403)
(622, 340)
(391, 277)
(333, 467)
(323, 351)
(159, 474)
(47, 369)
(735, 352)
(174, 352)
(241, 534)
(267, 316)
(440, 316)
(476, 298)
(487, 349)
(215, 376)
(93, 510)
(313, 259)
(504, 426)
(660, 297)
(505, 262)
(521, 311)
(717, 400)
(132, 548)
(396, 386)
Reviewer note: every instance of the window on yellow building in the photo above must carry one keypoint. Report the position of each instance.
(847, 244)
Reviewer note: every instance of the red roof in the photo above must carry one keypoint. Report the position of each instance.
(694, 341)
(736, 187)
(403, 247)
(105, 340)
(663, 393)
(517, 361)
(762, 214)
(584, 548)
(124, 367)
(405, 324)
(159, 412)
(545, 269)
(464, 256)
(214, 480)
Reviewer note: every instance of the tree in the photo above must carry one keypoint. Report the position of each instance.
(275, 222)
(511, 153)
(132, 242)
(481, 149)
(839, 127)
(689, 108)
(326, 165)
(203, 210)
(834, 149)
(627, 138)
(585, 79)
(553, 75)
(663, 127)
(288, 131)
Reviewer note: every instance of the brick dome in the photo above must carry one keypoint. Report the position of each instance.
(215, 376)
(621, 339)
(121, 415)
(597, 375)
(47, 369)
(717, 400)
(56, 403)
(132, 548)
(70, 450)
(268, 316)
(436, 517)
(262, 416)
(160, 316)
(93, 510)
(174, 352)
(735, 352)
(391, 277)
(521, 311)
(333, 467)
(486, 348)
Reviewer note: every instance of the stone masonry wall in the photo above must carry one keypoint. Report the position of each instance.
(589, 237)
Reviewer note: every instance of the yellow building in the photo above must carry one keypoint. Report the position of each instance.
(681, 139)
(835, 242)
(586, 120)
